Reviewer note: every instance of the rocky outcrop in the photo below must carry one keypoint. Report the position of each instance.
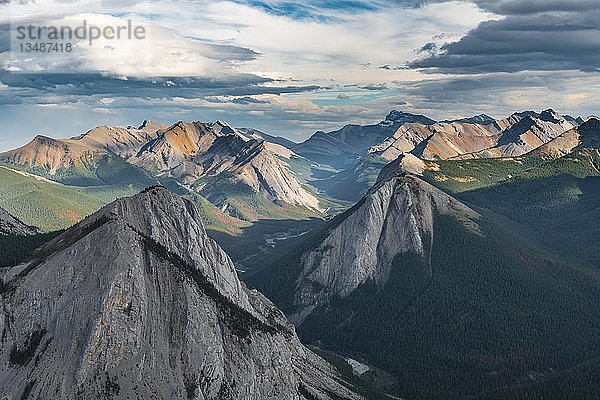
(10, 225)
(404, 140)
(346, 145)
(585, 136)
(122, 141)
(450, 139)
(476, 137)
(171, 152)
(199, 154)
(138, 302)
(472, 137)
(523, 133)
(396, 216)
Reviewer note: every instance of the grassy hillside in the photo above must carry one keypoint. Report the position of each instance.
(52, 206)
(106, 169)
(456, 176)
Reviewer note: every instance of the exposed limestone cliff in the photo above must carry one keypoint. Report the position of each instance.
(138, 302)
(196, 153)
(396, 216)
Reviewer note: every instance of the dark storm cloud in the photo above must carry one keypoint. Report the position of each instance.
(520, 7)
(543, 40)
(374, 87)
(38, 84)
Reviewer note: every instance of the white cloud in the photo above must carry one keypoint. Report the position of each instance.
(183, 35)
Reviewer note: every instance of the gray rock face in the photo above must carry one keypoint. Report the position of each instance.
(395, 217)
(10, 225)
(137, 302)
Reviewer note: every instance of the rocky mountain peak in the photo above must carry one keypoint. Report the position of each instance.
(550, 115)
(396, 216)
(223, 127)
(482, 119)
(405, 164)
(584, 136)
(137, 301)
(199, 154)
(591, 126)
(174, 223)
(152, 126)
(45, 140)
(48, 153)
(403, 117)
(123, 141)
(523, 114)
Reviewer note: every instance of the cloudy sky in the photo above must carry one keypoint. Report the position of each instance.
(291, 68)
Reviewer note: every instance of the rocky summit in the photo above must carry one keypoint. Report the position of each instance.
(396, 216)
(137, 302)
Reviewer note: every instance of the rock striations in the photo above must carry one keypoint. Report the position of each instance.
(343, 146)
(199, 155)
(396, 216)
(51, 155)
(585, 136)
(44, 154)
(473, 137)
(137, 302)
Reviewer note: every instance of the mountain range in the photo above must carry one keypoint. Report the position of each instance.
(484, 293)
(453, 259)
(251, 175)
(358, 153)
(238, 174)
(479, 136)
